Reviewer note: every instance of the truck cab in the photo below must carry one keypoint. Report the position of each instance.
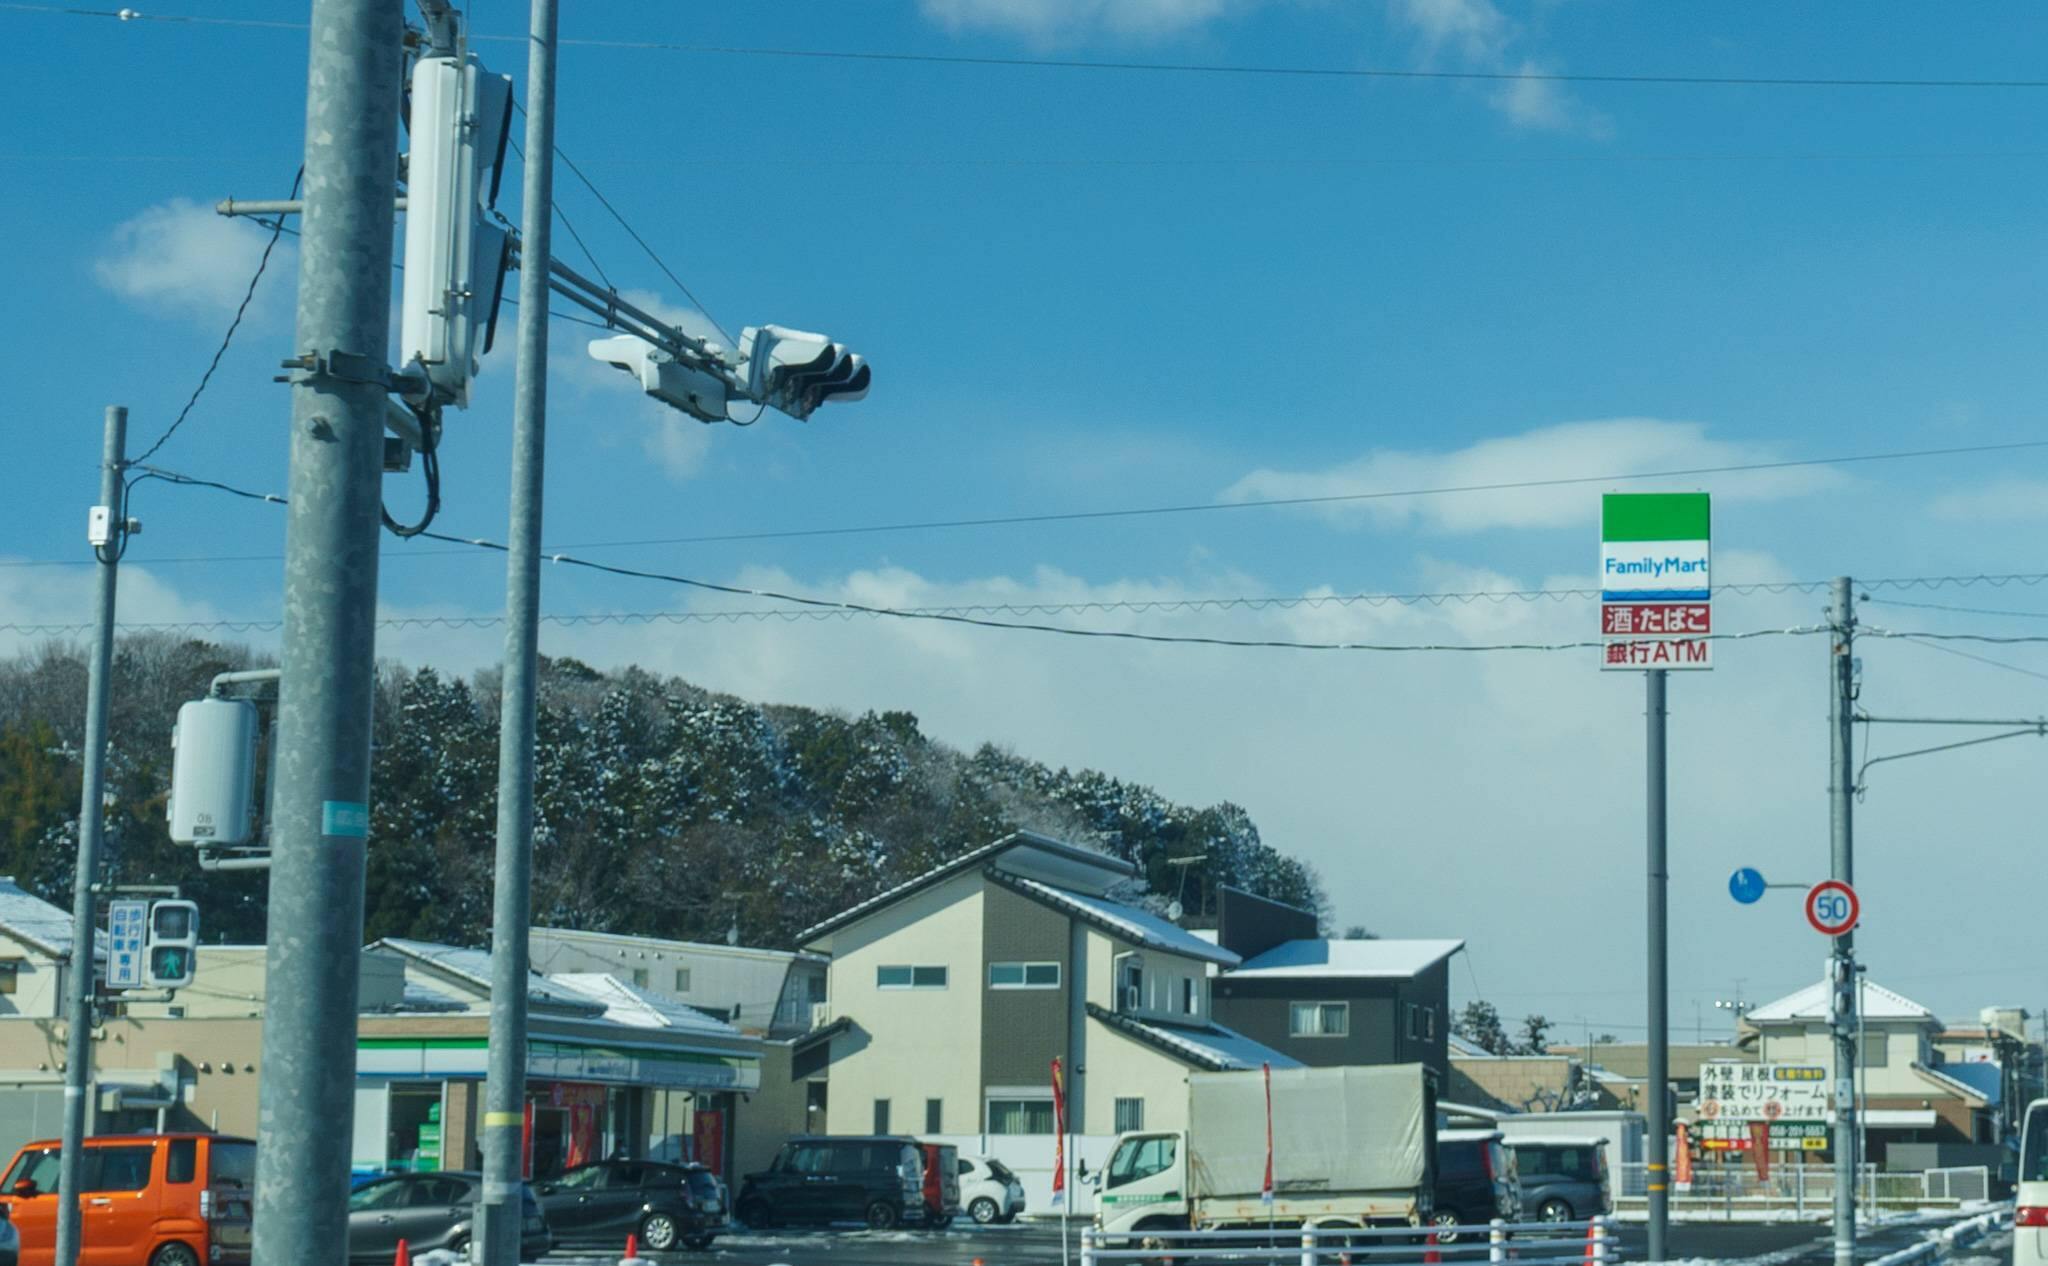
(1144, 1185)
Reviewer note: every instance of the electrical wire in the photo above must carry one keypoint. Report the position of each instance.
(949, 59)
(589, 257)
(1982, 659)
(858, 608)
(241, 309)
(1937, 606)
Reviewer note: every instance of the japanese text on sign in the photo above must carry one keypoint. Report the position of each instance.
(1731, 1091)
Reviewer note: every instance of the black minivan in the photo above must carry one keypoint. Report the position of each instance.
(1475, 1183)
(876, 1179)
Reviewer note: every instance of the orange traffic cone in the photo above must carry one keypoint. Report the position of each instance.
(632, 1244)
(1429, 1253)
(1592, 1234)
(404, 1257)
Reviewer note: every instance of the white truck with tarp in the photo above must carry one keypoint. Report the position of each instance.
(1351, 1147)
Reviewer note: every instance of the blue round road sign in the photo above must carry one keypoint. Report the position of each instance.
(1746, 885)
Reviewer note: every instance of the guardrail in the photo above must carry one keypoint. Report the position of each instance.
(1812, 1187)
(1497, 1242)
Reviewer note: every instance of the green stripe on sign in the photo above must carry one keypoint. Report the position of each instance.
(1654, 516)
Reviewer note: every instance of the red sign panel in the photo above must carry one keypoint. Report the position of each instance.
(1832, 907)
(1655, 619)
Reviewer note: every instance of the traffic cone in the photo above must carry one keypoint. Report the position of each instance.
(1429, 1253)
(632, 1257)
(404, 1257)
(1592, 1234)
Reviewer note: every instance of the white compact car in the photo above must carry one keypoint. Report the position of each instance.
(989, 1192)
(2030, 1217)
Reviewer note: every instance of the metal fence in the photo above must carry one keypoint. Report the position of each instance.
(1496, 1243)
(1812, 1187)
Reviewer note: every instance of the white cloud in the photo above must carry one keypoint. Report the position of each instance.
(63, 596)
(1047, 20)
(182, 256)
(1475, 35)
(2003, 500)
(676, 442)
(1570, 450)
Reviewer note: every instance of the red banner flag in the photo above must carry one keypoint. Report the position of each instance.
(1059, 1128)
(1683, 1176)
(1760, 1148)
(1266, 1192)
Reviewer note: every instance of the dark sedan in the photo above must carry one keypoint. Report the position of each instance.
(430, 1211)
(665, 1205)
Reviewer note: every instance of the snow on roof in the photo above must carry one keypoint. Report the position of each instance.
(1396, 960)
(1055, 853)
(1211, 1045)
(1467, 1048)
(45, 926)
(473, 967)
(637, 1008)
(1811, 1003)
(1141, 927)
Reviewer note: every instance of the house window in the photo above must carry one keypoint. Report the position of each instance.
(1429, 1023)
(640, 977)
(1874, 1053)
(10, 968)
(932, 1115)
(881, 1116)
(1130, 1115)
(1020, 1116)
(904, 977)
(1131, 991)
(1319, 1019)
(1023, 975)
(1187, 1004)
(682, 980)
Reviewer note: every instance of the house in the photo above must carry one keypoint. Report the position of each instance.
(769, 993)
(35, 951)
(1908, 1095)
(1334, 1002)
(950, 996)
(1996, 1056)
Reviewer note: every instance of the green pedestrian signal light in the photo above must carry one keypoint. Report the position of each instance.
(173, 948)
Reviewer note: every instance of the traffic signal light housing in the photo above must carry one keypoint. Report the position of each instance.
(699, 394)
(170, 954)
(455, 258)
(796, 372)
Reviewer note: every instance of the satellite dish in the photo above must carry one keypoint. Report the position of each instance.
(1173, 910)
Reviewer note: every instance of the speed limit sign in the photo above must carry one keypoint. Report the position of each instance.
(1832, 907)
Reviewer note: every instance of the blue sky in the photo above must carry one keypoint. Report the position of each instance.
(1090, 289)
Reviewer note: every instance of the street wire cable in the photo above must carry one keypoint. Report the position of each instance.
(859, 608)
(1982, 659)
(1938, 606)
(563, 216)
(1340, 498)
(1057, 63)
(263, 262)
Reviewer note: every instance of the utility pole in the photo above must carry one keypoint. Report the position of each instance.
(109, 534)
(499, 1211)
(327, 680)
(1845, 992)
(1658, 1163)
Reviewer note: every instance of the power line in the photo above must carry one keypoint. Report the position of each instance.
(262, 263)
(858, 608)
(1937, 606)
(1059, 63)
(1982, 659)
(1074, 516)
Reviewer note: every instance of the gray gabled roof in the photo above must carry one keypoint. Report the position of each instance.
(36, 922)
(1207, 1046)
(472, 967)
(1127, 922)
(960, 865)
(1324, 959)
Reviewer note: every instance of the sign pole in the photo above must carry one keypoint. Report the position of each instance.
(1658, 1166)
(1844, 994)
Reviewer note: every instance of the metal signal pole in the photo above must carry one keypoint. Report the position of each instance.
(79, 971)
(327, 680)
(1845, 995)
(499, 1212)
(1658, 1163)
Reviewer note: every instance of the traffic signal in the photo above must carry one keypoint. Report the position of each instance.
(662, 376)
(796, 372)
(172, 950)
(455, 258)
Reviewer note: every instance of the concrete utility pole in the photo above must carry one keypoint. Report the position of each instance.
(1657, 1167)
(79, 973)
(1845, 994)
(499, 1211)
(327, 681)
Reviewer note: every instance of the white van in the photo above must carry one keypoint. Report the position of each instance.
(2030, 1217)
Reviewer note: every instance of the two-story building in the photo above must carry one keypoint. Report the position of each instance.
(1908, 1096)
(949, 997)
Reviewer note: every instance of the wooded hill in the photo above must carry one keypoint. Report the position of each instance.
(663, 809)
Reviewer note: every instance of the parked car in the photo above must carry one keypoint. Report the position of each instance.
(1475, 1182)
(150, 1199)
(1562, 1180)
(990, 1193)
(2030, 1212)
(430, 1211)
(667, 1206)
(941, 1184)
(877, 1179)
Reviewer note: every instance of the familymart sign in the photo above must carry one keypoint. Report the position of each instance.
(1656, 596)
